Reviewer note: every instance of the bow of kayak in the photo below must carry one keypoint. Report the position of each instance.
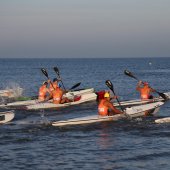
(6, 116)
(163, 120)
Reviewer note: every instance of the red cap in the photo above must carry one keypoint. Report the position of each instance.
(145, 83)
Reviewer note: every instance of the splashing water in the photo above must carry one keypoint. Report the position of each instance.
(44, 119)
(13, 90)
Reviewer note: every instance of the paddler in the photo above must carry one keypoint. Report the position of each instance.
(57, 96)
(44, 92)
(145, 90)
(54, 84)
(106, 108)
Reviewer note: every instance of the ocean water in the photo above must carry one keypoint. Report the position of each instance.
(29, 142)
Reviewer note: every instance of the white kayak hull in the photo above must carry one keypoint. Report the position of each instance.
(49, 105)
(32, 102)
(87, 120)
(134, 111)
(163, 120)
(139, 101)
(143, 110)
(6, 116)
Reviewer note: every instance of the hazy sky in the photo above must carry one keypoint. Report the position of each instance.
(84, 28)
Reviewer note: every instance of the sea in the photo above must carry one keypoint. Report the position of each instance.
(29, 142)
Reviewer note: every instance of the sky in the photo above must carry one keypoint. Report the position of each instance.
(84, 28)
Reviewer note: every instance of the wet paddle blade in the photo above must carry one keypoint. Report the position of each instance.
(109, 84)
(76, 85)
(44, 72)
(162, 95)
(128, 73)
(56, 70)
(58, 73)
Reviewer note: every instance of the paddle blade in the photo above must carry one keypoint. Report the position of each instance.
(109, 84)
(44, 72)
(56, 70)
(162, 95)
(128, 73)
(76, 85)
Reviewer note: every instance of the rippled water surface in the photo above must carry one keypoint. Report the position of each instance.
(30, 142)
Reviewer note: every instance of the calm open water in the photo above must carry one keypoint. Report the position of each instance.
(28, 142)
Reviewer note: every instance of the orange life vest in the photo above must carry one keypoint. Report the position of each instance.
(145, 93)
(42, 93)
(57, 95)
(102, 109)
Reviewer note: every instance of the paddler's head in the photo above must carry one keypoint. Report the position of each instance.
(145, 83)
(45, 83)
(107, 95)
(55, 79)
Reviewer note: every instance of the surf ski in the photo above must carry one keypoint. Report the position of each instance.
(135, 111)
(163, 120)
(70, 95)
(139, 101)
(6, 116)
(49, 105)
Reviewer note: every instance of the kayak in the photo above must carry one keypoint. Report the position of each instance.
(70, 94)
(11, 93)
(163, 120)
(139, 101)
(130, 112)
(6, 116)
(49, 105)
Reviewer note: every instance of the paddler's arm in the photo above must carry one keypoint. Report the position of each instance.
(138, 87)
(152, 90)
(49, 82)
(114, 109)
(49, 94)
(113, 97)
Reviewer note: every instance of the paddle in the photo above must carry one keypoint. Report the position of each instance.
(76, 85)
(44, 71)
(128, 73)
(58, 73)
(110, 85)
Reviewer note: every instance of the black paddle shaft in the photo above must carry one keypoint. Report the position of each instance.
(76, 85)
(44, 71)
(110, 85)
(58, 73)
